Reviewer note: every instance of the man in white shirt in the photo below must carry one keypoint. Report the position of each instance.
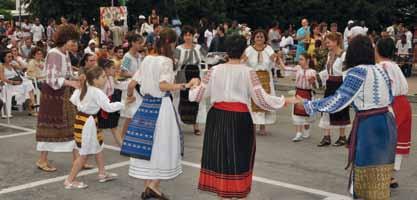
(286, 43)
(408, 35)
(37, 31)
(91, 49)
(26, 47)
(403, 47)
(209, 35)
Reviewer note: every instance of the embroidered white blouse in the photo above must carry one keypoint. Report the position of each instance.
(302, 76)
(367, 86)
(93, 100)
(335, 70)
(259, 60)
(235, 83)
(157, 69)
(399, 83)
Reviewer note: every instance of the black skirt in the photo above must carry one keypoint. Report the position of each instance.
(228, 154)
(110, 120)
(342, 117)
(188, 110)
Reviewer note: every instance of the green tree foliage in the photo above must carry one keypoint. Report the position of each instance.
(257, 13)
(5, 7)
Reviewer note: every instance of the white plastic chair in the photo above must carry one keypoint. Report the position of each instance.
(7, 102)
(37, 91)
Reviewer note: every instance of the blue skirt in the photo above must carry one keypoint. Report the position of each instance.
(374, 137)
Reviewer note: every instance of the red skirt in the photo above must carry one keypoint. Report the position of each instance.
(299, 107)
(402, 111)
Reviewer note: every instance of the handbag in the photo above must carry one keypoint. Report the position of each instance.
(16, 78)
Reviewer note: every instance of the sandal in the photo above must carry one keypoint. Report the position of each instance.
(197, 132)
(102, 178)
(88, 166)
(33, 113)
(74, 185)
(45, 167)
(262, 133)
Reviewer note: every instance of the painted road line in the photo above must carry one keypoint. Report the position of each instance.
(16, 127)
(58, 179)
(16, 135)
(329, 195)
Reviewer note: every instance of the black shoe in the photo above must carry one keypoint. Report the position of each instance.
(144, 196)
(394, 184)
(153, 194)
(326, 141)
(342, 141)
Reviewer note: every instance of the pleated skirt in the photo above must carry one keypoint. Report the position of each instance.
(189, 110)
(228, 154)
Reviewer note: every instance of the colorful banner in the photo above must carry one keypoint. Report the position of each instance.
(108, 15)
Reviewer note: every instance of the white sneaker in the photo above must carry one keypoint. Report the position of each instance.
(306, 133)
(298, 137)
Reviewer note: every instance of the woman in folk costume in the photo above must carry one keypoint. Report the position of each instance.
(153, 139)
(305, 81)
(55, 131)
(89, 140)
(261, 57)
(374, 134)
(384, 52)
(229, 139)
(332, 78)
(189, 57)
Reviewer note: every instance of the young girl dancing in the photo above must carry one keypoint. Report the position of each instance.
(89, 100)
(305, 81)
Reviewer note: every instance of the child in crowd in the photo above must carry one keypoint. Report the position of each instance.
(114, 93)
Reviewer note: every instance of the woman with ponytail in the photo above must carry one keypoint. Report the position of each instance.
(153, 140)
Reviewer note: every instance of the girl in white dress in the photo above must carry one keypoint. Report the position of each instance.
(153, 139)
(89, 100)
(305, 81)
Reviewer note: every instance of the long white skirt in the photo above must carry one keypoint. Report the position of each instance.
(325, 123)
(302, 120)
(165, 160)
(58, 147)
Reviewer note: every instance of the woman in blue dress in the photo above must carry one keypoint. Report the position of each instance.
(373, 137)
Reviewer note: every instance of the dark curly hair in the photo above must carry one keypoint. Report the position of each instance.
(259, 31)
(386, 47)
(187, 29)
(235, 46)
(64, 34)
(360, 52)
